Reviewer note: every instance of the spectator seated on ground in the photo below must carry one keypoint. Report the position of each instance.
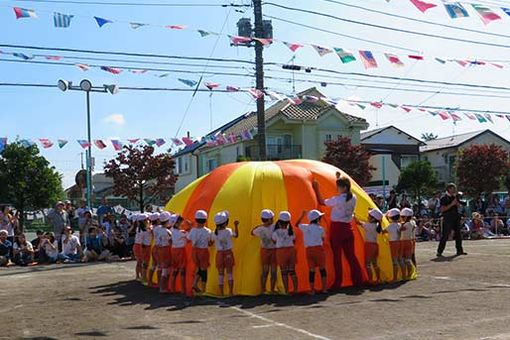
(5, 248)
(36, 242)
(96, 244)
(497, 225)
(49, 249)
(422, 232)
(117, 244)
(71, 247)
(23, 252)
(476, 227)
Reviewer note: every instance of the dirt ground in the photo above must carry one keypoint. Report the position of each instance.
(456, 298)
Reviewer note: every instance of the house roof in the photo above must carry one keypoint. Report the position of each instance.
(366, 135)
(455, 141)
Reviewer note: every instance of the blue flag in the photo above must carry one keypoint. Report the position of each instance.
(506, 10)
(455, 10)
(101, 21)
(190, 83)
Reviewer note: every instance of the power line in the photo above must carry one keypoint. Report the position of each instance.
(153, 4)
(393, 29)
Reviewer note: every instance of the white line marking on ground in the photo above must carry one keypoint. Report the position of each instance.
(275, 323)
(263, 326)
(483, 283)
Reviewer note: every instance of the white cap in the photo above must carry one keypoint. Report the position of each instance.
(201, 215)
(407, 212)
(220, 218)
(376, 213)
(227, 213)
(174, 218)
(314, 214)
(393, 212)
(266, 214)
(165, 216)
(142, 217)
(154, 216)
(284, 216)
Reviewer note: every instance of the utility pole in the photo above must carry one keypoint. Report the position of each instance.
(259, 76)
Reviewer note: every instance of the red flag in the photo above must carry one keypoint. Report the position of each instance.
(255, 93)
(133, 141)
(406, 109)
(238, 40)
(46, 143)
(187, 141)
(100, 144)
(416, 57)
(112, 70)
(176, 27)
(368, 59)
(394, 59)
(293, 46)
(377, 104)
(422, 5)
(53, 57)
(443, 115)
(211, 86)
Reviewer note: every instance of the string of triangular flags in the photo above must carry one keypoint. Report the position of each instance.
(366, 57)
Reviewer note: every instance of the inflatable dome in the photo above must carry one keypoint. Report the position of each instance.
(244, 189)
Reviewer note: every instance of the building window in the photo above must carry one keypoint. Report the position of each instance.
(212, 164)
(179, 165)
(186, 164)
(328, 138)
(406, 160)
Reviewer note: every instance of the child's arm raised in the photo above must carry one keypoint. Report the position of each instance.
(236, 229)
(303, 213)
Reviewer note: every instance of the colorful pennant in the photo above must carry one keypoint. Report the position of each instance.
(422, 5)
(24, 13)
(368, 59)
(345, 56)
(101, 21)
(485, 14)
(456, 10)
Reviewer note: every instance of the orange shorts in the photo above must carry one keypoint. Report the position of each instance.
(146, 253)
(286, 257)
(371, 251)
(200, 257)
(164, 256)
(178, 258)
(407, 248)
(316, 257)
(225, 259)
(137, 251)
(395, 247)
(154, 254)
(268, 257)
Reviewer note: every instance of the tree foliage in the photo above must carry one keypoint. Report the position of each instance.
(138, 174)
(27, 180)
(428, 136)
(418, 178)
(480, 168)
(353, 159)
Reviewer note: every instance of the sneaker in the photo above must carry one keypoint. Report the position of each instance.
(461, 253)
(439, 255)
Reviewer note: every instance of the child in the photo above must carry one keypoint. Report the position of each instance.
(156, 227)
(267, 248)
(372, 228)
(313, 236)
(178, 252)
(224, 256)
(284, 237)
(393, 231)
(145, 225)
(201, 240)
(406, 239)
(163, 241)
(137, 246)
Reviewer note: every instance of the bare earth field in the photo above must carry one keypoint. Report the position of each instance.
(458, 298)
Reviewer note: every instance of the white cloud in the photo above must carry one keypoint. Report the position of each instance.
(116, 118)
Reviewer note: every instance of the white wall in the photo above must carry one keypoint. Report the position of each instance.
(391, 170)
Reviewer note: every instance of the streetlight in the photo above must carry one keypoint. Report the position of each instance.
(86, 86)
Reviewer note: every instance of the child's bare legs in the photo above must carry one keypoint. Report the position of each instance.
(163, 280)
(173, 278)
(183, 280)
(377, 270)
(292, 273)
(324, 279)
(395, 269)
(368, 265)
(273, 278)
(409, 267)
(230, 282)
(285, 279)
(221, 279)
(196, 279)
(311, 279)
(263, 278)
(403, 267)
(138, 269)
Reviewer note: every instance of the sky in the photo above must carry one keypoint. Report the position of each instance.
(32, 113)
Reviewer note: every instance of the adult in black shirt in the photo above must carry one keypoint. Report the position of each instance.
(449, 207)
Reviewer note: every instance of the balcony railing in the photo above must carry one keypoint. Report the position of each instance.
(275, 152)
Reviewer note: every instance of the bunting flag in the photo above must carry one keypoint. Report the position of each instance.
(232, 138)
(322, 51)
(394, 59)
(27, 143)
(496, 65)
(406, 109)
(368, 59)
(508, 117)
(46, 143)
(377, 104)
(292, 46)
(211, 86)
(255, 93)
(160, 142)
(101, 21)
(3, 143)
(210, 141)
(275, 95)
(99, 144)
(61, 143)
(443, 115)
(489, 118)
(136, 25)
(83, 143)
(345, 56)
(187, 141)
(455, 117)
(53, 57)
(24, 13)
(415, 57)
(163, 75)
(422, 5)
(220, 139)
(456, 10)
(232, 88)
(246, 135)
(310, 99)
(62, 20)
(439, 60)
(480, 118)
(23, 56)
(83, 67)
(150, 142)
(138, 71)
(470, 116)
(392, 105)
(500, 116)
(134, 140)
(462, 63)
(506, 10)
(112, 70)
(176, 27)
(238, 40)
(176, 141)
(264, 41)
(188, 82)
(294, 100)
(117, 145)
(485, 13)
(203, 33)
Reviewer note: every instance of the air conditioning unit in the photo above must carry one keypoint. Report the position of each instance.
(244, 28)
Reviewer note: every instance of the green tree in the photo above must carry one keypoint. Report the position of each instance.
(418, 178)
(28, 180)
(353, 159)
(428, 136)
(140, 175)
(481, 168)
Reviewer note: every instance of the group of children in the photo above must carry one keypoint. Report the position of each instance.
(277, 247)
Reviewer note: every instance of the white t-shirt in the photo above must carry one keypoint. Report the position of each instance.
(162, 237)
(266, 236)
(6, 224)
(80, 212)
(51, 252)
(29, 246)
(312, 234)
(146, 237)
(200, 237)
(223, 240)
(178, 238)
(370, 232)
(138, 237)
(408, 233)
(283, 239)
(71, 246)
(394, 231)
(107, 228)
(342, 211)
